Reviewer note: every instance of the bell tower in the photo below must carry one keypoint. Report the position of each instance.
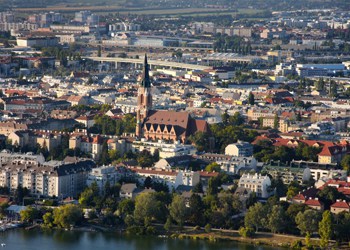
(144, 98)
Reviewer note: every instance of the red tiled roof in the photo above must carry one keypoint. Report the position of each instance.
(299, 197)
(153, 171)
(313, 202)
(208, 174)
(340, 204)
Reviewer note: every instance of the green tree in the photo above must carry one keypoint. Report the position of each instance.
(168, 224)
(147, 208)
(178, 210)
(145, 159)
(251, 98)
(48, 219)
(201, 141)
(213, 167)
(328, 195)
(345, 163)
(255, 216)
(307, 222)
(196, 210)
(237, 119)
(99, 51)
(207, 228)
(246, 232)
(276, 122)
(325, 228)
(67, 215)
(29, 214)
(104, 158)
(319, 85)
(276, 220)
(88, 196)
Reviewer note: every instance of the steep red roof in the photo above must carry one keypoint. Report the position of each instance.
(313, 203)
(340, 204)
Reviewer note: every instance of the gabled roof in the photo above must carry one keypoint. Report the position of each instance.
(340, 204)
(313, 203)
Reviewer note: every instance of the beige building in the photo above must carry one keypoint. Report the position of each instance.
(60, 180)
(340, 206)
(6, 128)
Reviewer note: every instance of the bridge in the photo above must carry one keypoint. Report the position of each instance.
(174, 65)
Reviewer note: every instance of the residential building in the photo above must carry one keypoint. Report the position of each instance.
(50, 179)
(102, 175)
(340, 206)
(257, 183)
(240, 148)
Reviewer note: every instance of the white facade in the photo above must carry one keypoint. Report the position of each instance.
(256, 183)
(102, 175)
(165, 149)
(240, 148)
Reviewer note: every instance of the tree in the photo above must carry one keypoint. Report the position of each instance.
(213, 167)
(341, 227)
(237, 119)
(147, 208)
(104, 158)
(29, 214)
(113, 155)
(255, 216)
(276, 121)
(251, 98)
(207, 228)
(168, 224)
(67, 215)
(196, 210)
(246, 232)
(99, 51)
(148, 182)
(48, 219)
(276, 219)
(200, 140)
(224, 117)
(319, 85)
(345, 163)
(328, 195)
(325, 228)
(145, 159)
(178, 210)
(126, 207)
(307, 222)
(88, 196)
(333, 92)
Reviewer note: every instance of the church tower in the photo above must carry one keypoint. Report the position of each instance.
(144, 98)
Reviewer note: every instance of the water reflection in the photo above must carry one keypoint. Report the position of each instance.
(60, 239)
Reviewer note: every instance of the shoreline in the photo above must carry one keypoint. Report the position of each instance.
(216, 235)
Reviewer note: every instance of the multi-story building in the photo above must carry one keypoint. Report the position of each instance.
(165, 149)
(59, 179)
(256, 183)
(241, 148)
(173, 178)
(103, 174)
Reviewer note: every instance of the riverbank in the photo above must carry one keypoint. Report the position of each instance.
(216, 235)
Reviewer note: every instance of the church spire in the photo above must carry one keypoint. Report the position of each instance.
(145, 81)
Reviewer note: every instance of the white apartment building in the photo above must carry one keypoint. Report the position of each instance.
(165, 149)
(103, 174)
(53, 179)
(256, 183)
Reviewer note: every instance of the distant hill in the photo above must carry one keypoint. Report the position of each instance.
(254, 4)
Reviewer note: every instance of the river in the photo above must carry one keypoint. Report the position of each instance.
(20, 239)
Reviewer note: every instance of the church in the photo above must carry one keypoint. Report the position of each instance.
(162, 124)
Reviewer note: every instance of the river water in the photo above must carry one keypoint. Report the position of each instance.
(20, 239)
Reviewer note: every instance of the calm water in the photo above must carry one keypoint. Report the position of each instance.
(20, 239)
